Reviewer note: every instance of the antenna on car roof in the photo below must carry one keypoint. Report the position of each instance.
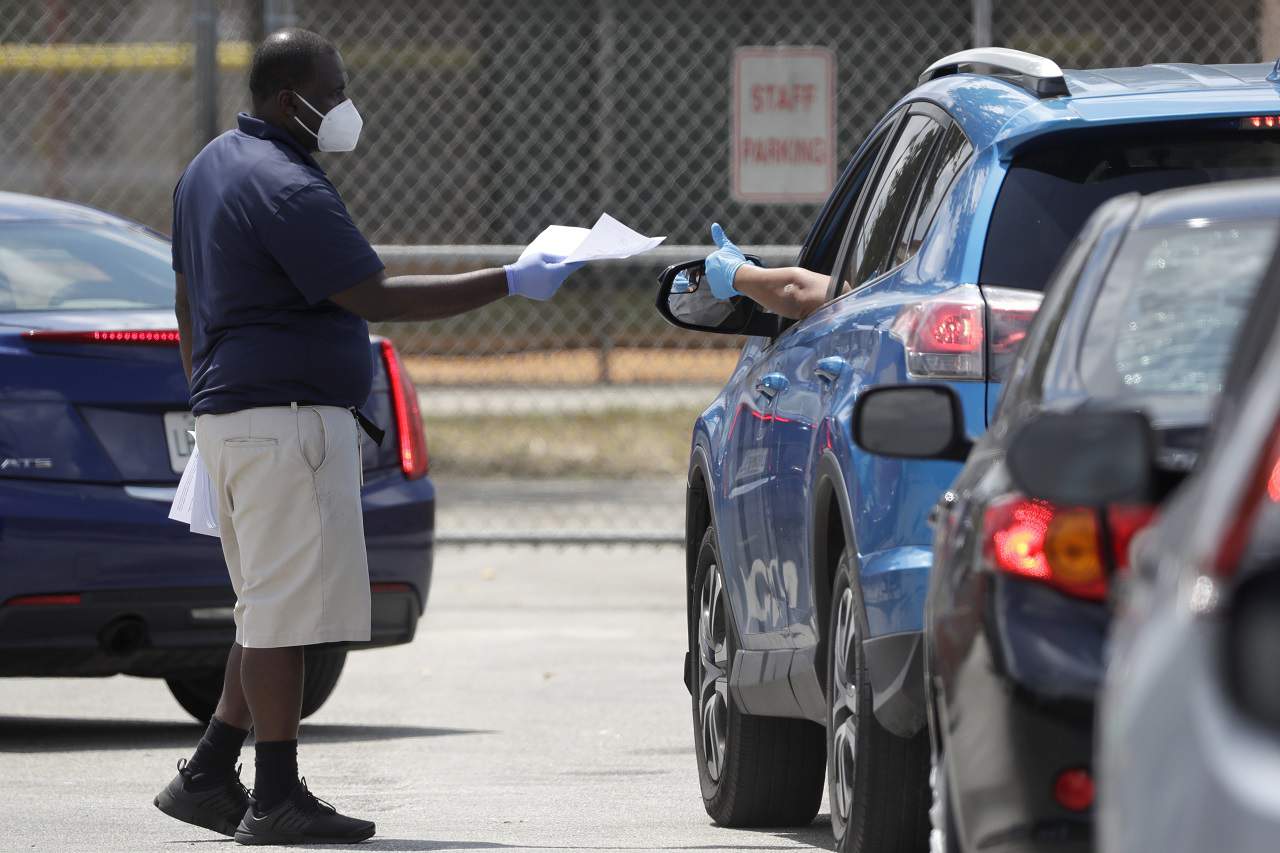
(1274, 76)
(1038, 75)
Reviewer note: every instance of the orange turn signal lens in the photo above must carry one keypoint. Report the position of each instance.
(1071, 547)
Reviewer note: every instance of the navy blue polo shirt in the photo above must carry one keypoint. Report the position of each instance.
(263, 239)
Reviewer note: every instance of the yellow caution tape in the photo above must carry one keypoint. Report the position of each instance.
(116, 56)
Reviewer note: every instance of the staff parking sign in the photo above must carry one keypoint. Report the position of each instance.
(784, 124)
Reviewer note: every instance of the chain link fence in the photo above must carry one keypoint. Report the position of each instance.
(486, 121)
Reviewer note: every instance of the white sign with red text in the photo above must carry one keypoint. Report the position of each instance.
(784, 124)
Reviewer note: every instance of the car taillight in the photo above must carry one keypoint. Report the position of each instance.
(155, 337)
(1124, 523)
(943, 336)
(952, 336)
(1009, 315)
(1063, 547)
(45, 600)
(404, 402)
(1264, 484)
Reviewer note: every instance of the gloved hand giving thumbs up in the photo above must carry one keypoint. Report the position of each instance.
(722, 264)
(791, 292)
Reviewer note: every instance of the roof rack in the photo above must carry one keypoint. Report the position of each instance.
(1040, 76)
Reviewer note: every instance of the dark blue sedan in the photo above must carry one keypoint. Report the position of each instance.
(95, 579)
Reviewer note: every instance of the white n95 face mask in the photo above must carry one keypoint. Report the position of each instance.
(339, 128)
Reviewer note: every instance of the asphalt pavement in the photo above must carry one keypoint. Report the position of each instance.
(540, 708)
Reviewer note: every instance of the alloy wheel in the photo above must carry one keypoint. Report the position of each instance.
(844, 705)
(713, 667)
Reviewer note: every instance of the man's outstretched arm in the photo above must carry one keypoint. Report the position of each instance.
(432, 297)
(422, 297)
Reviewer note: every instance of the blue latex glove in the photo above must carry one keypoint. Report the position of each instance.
(538, 276)
(722, 264)
(681, 283)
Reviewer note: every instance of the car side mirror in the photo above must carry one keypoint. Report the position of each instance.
(685, 300)
(1252, 627)
(1083, 458)
(911, 421)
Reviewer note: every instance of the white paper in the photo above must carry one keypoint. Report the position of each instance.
(559, 240)
(194, 503)
(608, 239)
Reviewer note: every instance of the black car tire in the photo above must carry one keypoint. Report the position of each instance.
(198, 692)
(878, 782)
(770, 769)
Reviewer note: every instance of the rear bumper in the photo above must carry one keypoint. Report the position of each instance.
(1019, 711)
(155, 598)
(1003, 758)
(153, 632)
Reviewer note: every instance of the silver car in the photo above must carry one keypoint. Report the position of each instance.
(1188, 749)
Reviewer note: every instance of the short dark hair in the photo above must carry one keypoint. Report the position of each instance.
(285, 60)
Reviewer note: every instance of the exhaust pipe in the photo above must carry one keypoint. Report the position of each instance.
(123, 636)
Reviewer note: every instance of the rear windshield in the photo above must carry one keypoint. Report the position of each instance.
(1050, 191)
(1166, 319)
(48, 266)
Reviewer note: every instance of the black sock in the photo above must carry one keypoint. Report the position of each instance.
(217, 753)
(275, 774)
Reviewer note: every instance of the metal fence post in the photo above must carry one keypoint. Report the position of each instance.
(205, 22)
(605, 66)
(982, 23)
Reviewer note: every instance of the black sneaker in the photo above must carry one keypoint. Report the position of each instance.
(219, 805)
(302, 818)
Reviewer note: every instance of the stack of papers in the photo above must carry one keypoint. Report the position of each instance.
(195, 503)
(607, 240)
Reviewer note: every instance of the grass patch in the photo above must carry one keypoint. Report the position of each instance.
(619, 443)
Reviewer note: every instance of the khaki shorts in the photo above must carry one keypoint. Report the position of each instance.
(288, 485)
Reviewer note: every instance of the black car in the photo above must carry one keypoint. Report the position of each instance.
(1140, 321)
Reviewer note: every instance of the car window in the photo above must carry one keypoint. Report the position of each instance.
(1052, 187)
(953, 153)
(1166, 319)
(823, 242)
(873, 243)
(50, 266)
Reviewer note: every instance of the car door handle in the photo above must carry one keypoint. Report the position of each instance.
(829, 369)
(771, 384)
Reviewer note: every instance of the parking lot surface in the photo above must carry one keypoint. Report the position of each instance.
(540, 708)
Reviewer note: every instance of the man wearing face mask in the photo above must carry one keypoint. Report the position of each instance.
(274, 287)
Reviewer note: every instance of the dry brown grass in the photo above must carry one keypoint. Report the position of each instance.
(575, 367)
(622, 443)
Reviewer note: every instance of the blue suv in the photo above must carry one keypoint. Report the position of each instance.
(808, 560)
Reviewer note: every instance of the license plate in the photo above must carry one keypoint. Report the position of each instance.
(180, 441)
